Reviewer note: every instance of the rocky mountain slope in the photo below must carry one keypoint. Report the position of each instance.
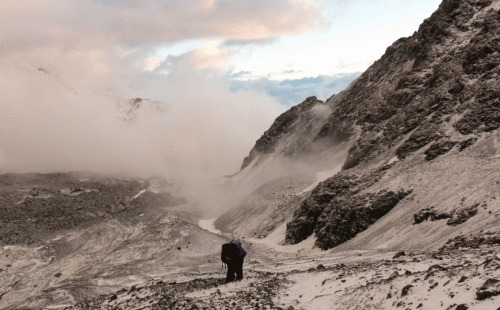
(436, 91)
(293, 132)
(417, 136)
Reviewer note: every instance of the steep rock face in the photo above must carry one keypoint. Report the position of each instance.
(449, 67)
(343, 219)
(438, 89)
(315, 211)
(299, 125)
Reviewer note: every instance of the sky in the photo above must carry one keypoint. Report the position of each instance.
(220, 70)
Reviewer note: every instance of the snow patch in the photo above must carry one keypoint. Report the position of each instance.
(77, 191)
(63, 306)
(59, 237)
(119, 281)
(139, 194)
(494, 5)
(208, 224)
(276, 241)
(393, 160)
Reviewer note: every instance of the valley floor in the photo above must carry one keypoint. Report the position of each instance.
(448, 280)
(163, 257)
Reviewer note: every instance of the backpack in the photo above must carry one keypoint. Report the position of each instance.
(229, 250)
(241, 250)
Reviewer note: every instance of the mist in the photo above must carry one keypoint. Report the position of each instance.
(82, 87)
(68, 68)
(196, 130)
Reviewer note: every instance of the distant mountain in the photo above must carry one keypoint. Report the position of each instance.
(419, 130)
(130, 109)
(127, 109)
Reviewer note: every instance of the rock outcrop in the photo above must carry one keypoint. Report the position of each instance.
(455, 217)
(474, 241)
(342, 221)
(430, 214)
(130, 109)
(337, 210)
(490, 288)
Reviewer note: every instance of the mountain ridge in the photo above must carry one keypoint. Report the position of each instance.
(432, 97)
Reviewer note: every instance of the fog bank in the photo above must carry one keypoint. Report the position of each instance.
(192, 127)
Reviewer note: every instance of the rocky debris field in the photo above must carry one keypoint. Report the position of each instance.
(34, 207)
(452, 279)
(474, 241)
(66, 237)
(205, 292)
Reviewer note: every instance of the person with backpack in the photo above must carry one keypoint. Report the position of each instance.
(233, 255)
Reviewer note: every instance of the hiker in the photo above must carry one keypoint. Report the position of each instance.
(233, 254)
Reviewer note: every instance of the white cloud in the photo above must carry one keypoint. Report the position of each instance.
(64, 116)
(85, 24)
(151, 62)
(65, 63)
(210, 55)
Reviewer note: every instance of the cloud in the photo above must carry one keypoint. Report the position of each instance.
(291, 71)
(190, 127)
(240, 74)
(306, 82)
(96, 57)
(243, 42)
(209, 55)
(293, 91)
(84, 24)
(151, 62)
